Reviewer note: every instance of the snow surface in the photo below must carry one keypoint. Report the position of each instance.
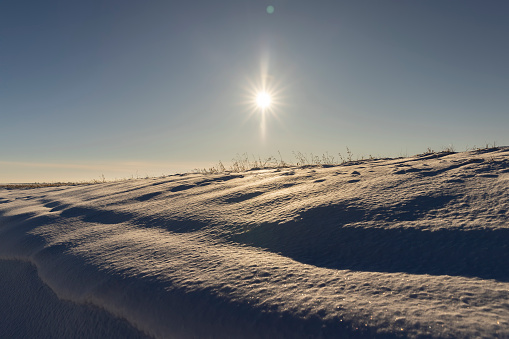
(410, 247)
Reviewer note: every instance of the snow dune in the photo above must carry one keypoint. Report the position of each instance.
(410, 247)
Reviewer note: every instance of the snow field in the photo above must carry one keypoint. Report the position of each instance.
(413, 247)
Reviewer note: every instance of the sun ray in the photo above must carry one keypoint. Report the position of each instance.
(265, 97)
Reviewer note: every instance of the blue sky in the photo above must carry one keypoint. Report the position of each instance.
(129, 87)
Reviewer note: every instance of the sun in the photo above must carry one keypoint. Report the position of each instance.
(263, 100)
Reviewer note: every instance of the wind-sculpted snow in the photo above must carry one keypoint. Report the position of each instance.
(413, 247)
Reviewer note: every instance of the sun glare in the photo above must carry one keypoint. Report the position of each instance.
(263, 100)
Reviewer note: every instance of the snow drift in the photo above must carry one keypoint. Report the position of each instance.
(409, 247)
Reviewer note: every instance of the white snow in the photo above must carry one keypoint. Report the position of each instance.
(409, 247)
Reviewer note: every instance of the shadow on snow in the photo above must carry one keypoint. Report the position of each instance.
(321, 237)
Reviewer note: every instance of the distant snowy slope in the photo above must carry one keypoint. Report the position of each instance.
(405, 247)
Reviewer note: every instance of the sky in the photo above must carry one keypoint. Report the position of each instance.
(137, 88)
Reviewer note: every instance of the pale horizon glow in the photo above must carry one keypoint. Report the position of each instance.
(110, 170)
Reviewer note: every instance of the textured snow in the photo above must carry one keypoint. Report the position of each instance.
(408, 247)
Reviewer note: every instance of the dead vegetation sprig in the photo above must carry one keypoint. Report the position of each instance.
(431, 152)
(487, 148)
(244, 162)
